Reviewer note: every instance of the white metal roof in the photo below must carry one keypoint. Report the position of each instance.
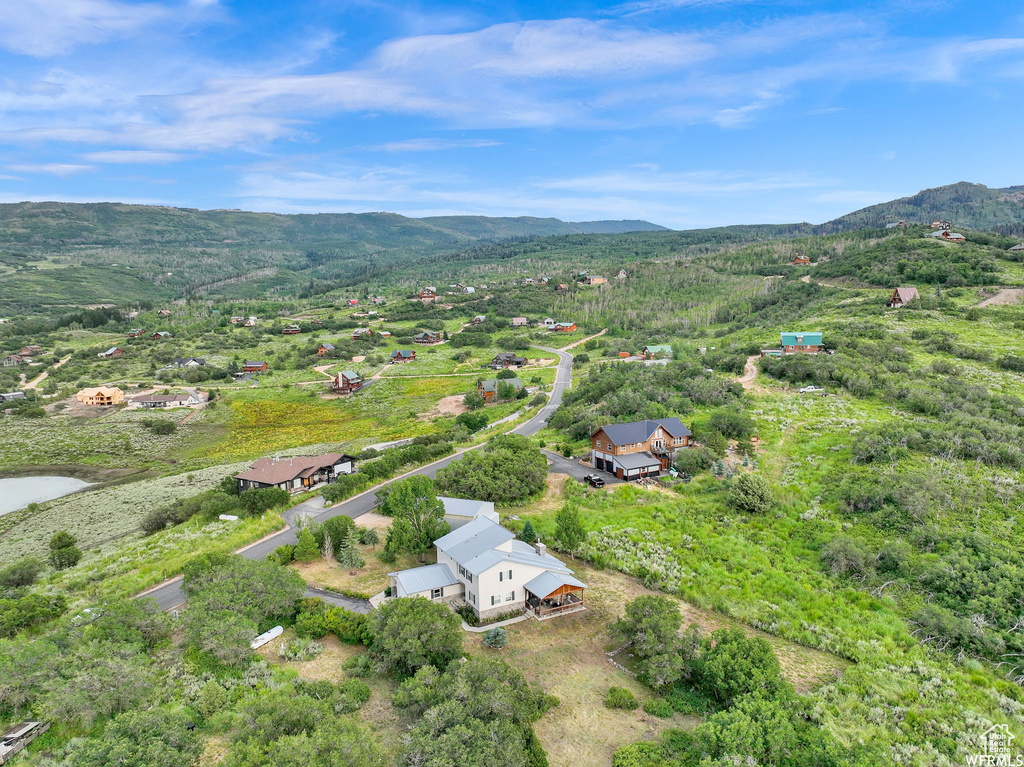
(548, 582)
(420, 579)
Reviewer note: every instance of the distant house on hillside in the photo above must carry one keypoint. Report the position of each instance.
(428, 294)
(519, 322)
(164, 312)
(12, 395)
(640, 448)
(563, 327)
(561, 288)
(346, 382)
(479, 319)
(353, 302)
(1017, 248)
(295, 474)
(801, 343)
(593, 279)
(31, 350)
(236, 320)
(902, 297)
(427, 337)
(250, 322)
(188, 362)
(152, 401)
(160, 335)
(290, 330)
(504, 360)
(254, 366)
(113, 351)
(937, 224)
(377, 300)
(136, 333)
(400, 356)
(324, 349)
(949, 236)
(801, 260)
(358, 333)
(12, 360)
(489, 389)
(657, 352)
(621, 274)
(896, 225)
(100, 396)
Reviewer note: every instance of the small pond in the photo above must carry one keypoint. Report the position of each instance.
(18, 492)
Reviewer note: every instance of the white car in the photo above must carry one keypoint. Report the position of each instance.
(810, 389)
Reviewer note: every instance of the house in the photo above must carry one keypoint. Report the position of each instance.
(563, 327)
(101, 396)
(385, 334)
(13, 359)
(151, 401)
(428, 294)
(485, 566)
(290, 330)
(346, 382)
(378, 300)
(12, 395)
(188, 362)
(164, 312)
(657, 352)
(427, 337)
(937, 224)
(17, 737)
(399, 356)
(113, 351)
(801, 343)
(161, 334)
(361, 333)
(31, 350)
(1017, 248)
(250, 322)
(295, 474)
(136, 333)
(504, 360)
(257, 366)
(464, 288)
(593, 279)
(621, 274)
(489, 389)
(479, 319)
(353, 302)
(324, 349)
(801, 260)
(519, 322)
(547, 322)
(542, 280)
(949, 236)
(896, 225)
(236, 320)
(902, 297)
(638, 449)
(561, 288)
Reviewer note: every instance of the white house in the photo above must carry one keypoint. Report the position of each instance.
(485, 566)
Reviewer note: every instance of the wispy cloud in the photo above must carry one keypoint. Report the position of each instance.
(132, 156)
(50, 168)
(431, 145)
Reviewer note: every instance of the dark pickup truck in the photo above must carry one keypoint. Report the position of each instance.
(593, 480)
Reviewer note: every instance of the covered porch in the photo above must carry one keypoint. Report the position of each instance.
(551, 594)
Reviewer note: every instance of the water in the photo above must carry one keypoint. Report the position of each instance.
(18, 492)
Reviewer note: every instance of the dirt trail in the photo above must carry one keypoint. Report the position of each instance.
(1004, 297)
(805, 278)
(322, 369)
(583, 340)
(750, 371)
(34, 383)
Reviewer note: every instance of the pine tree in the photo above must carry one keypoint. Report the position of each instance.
(348, 554)
(528, 534)
(569, 530)
(306, 549)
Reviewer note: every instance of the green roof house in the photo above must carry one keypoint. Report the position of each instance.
(801, 343)
(657, 352)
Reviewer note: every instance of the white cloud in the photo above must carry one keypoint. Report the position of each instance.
(51, 168)
(432, 145)
(43, 28)
(131, 156)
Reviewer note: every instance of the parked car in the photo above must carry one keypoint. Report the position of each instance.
(593, 480)
(811, 389)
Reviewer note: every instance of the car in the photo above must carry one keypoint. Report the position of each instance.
(811, 389)
(593, 480)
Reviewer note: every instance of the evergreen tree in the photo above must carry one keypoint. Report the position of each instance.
(63, 552)
(306, 549)
(569, 530)
(528, 534)
(348, 553)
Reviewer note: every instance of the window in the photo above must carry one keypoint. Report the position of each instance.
(496, 600)
(510, 596)
(472, 597)
(466, 574)
(505, 575)
(437, 593)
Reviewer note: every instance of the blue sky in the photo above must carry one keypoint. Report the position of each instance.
(687, 113)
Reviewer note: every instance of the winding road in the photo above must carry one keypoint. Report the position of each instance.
(169, 595)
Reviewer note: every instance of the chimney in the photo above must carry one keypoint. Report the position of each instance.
(541, 548)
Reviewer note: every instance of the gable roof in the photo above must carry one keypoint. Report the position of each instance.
(109, 351)
(907, 294)
(1018, 248)
(801, 339)
(328, 347)
(466, 507)
(106, 391)
(253, 364)
(419, 579)
(659, 348)
(402, 353)
(641, 431)
(472, 541)
(548, 582)
(351, 375)
(271, 471)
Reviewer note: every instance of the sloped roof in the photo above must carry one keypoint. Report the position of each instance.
(1018, 247)
(637, 461)
(472, 540)
(401, 353)
(907, 294)
(419, 579)
(270, 471)
(801, 339)
(106, 391)
(251, 363)
(640, 431)
(351, 375)
(328, 347)
(548, 582)
(465, 507)
(659, 348)
(110, 351)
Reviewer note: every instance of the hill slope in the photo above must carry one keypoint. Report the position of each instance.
(973, 206)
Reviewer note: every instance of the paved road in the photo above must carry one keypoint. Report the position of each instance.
(169, 595)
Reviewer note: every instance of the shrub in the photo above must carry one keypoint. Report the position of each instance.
(301, 649)
(658, 707)
(751, 494)
(352, 694)
(284, 554)
(620, 697)
(63, 552)
(496, 638)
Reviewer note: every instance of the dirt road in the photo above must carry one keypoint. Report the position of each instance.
(1004, 297)
(750, 371)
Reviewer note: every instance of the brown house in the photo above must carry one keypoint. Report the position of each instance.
(427, 337)
(254, 367)
(324, 349)
(593, 279)
(11, 360)
(101, 396)
(136, 333)
(291, 330)
(561, 288)
(399, 356)
(428, 294)
(113, 351)
(161, 334)
(801, 260)
(346, 382)
(358, 333)
(489, 389)
(902, 297)
(505, 360)
(295, 474)
(638, 449)
(31, 350)
(563, 327)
